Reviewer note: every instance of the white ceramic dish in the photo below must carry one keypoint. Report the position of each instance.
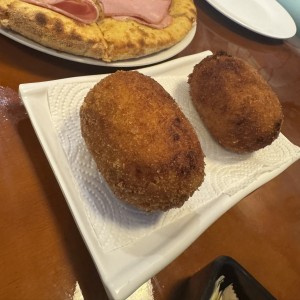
(126, 268)
(265, 17)
(143, 61)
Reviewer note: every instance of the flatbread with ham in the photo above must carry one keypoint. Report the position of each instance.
(107, 30)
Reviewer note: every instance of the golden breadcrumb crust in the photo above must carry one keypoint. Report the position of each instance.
(236, 104)
(142, 143)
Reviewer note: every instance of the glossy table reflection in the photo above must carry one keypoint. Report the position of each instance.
(42, 254)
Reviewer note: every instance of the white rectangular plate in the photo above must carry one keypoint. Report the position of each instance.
(124, 269)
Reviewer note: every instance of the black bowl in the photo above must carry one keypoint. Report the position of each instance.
(246, 287)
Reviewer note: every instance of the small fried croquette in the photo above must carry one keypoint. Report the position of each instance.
(235, 103)
(143, 145)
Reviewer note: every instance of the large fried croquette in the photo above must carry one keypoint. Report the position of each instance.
(143, 145)
(235, 103)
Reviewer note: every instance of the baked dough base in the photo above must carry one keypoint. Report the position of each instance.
(108, 39)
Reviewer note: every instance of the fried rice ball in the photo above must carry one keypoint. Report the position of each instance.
(238, 107)
(143, 145)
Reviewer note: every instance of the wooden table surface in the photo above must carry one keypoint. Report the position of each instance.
(42, 254)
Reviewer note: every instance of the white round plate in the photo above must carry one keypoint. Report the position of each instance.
(266, 17)
(142, 61)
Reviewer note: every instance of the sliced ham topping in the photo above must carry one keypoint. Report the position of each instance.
(153, 13)
(150, 11)
(84, 11)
